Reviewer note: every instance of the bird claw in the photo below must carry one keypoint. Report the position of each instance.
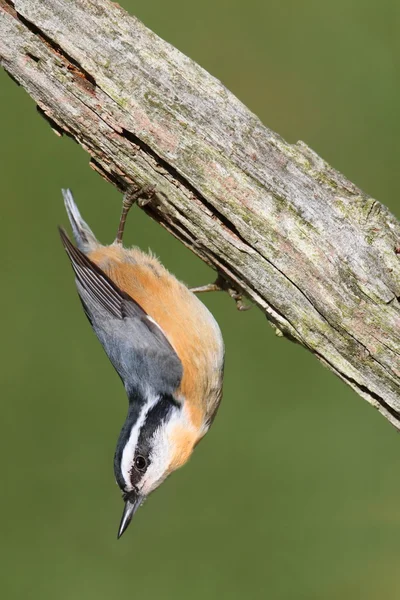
(139, 195)
(238, 298)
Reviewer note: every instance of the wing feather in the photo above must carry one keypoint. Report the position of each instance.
(135, 344)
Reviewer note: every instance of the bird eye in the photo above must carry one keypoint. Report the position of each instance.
(140, 463)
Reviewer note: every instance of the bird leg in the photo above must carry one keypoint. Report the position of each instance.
(141, 196)
(210, 287)
(221, 285)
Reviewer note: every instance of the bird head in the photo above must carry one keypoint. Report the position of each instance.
(158, 437)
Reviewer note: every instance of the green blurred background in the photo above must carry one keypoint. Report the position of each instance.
(295, 492)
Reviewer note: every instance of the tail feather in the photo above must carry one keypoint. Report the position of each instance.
(84, 236)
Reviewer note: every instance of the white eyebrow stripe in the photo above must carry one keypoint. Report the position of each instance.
(130, 446)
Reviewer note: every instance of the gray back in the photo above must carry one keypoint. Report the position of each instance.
(136, 346)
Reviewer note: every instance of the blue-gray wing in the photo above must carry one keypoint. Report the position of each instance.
(134, 343)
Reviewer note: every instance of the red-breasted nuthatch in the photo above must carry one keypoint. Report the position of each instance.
(163, 342)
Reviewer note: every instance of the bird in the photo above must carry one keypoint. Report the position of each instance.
(164, 343)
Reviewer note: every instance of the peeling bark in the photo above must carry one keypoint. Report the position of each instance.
(314, 252)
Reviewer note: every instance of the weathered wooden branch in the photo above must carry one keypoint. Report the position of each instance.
(315, 253)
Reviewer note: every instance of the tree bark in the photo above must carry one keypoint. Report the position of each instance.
(315, 253)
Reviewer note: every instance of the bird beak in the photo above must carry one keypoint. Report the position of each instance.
(132, 503)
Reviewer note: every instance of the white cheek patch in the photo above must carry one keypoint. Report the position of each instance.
(130, 447)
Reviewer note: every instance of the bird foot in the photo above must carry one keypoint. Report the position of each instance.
(238, 298)
(139, 195)
(133, 195)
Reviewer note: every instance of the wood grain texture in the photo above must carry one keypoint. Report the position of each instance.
(315, 253)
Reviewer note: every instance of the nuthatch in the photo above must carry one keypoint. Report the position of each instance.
(164, 344)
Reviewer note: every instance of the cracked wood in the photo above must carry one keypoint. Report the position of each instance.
(314, 252)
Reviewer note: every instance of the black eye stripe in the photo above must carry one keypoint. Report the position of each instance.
(155, 417)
